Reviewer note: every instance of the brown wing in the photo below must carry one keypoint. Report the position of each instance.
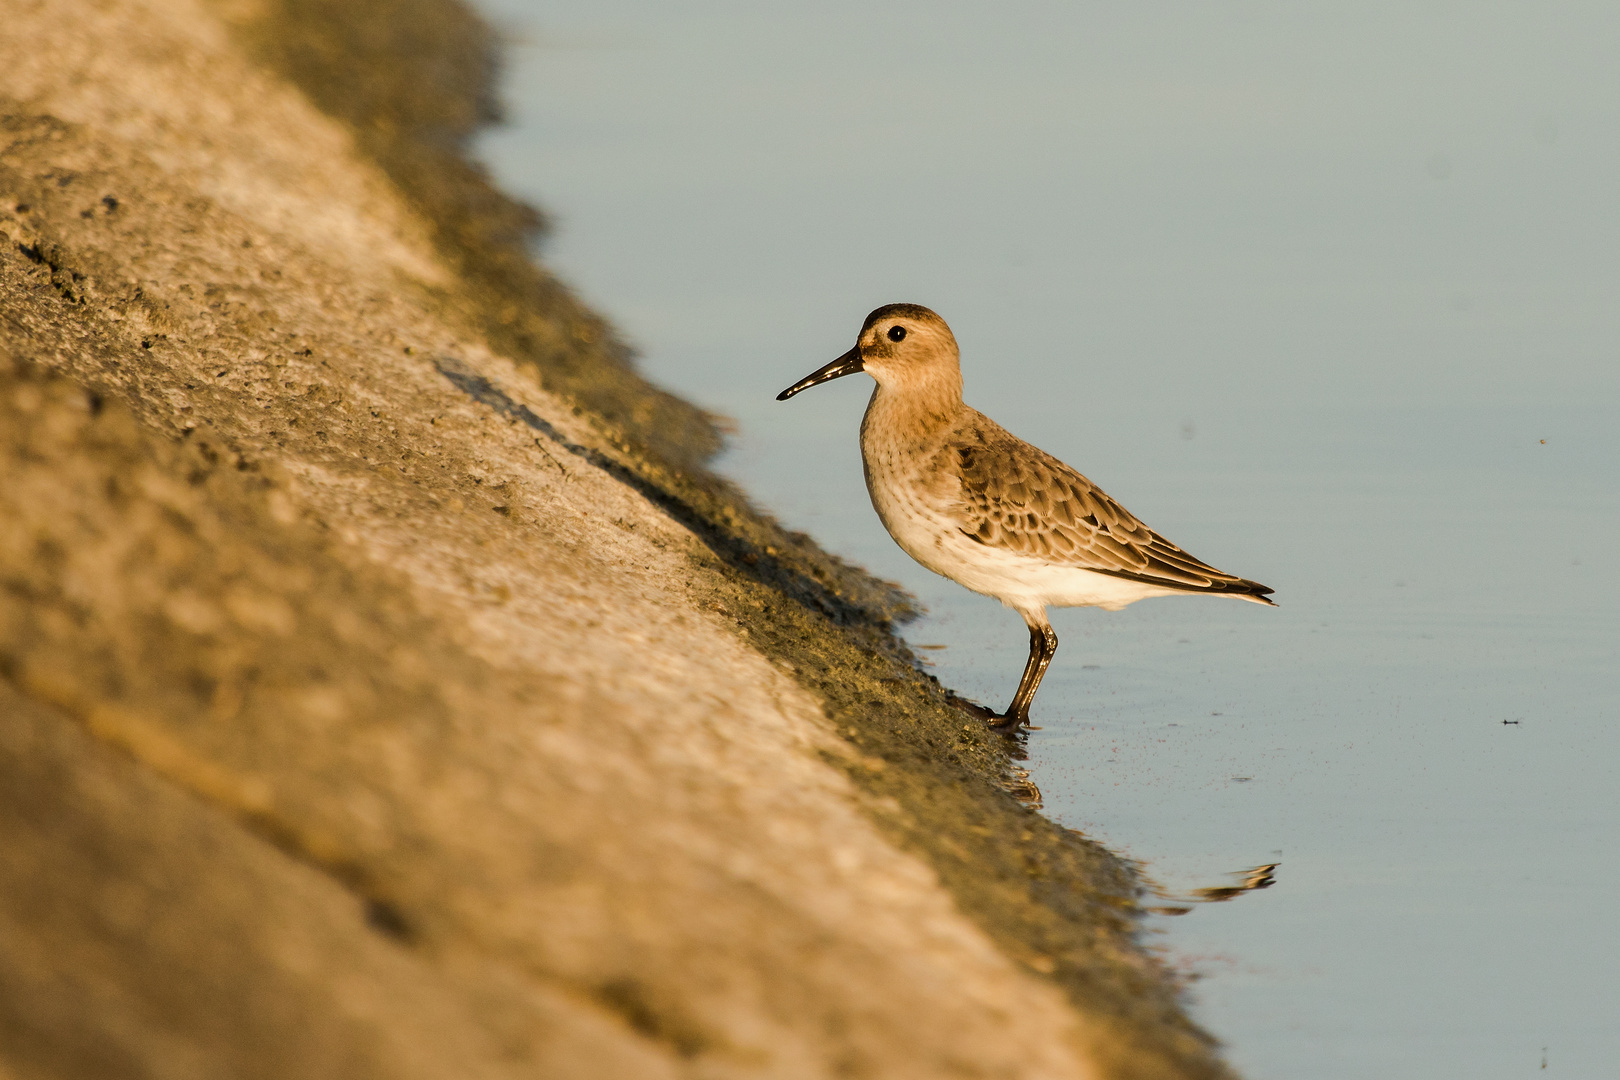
(1018, 498)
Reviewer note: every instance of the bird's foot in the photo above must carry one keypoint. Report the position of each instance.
(973, 708)
(1002, 723)
(1009, 724)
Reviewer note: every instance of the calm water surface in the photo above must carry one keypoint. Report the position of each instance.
(1329, 297)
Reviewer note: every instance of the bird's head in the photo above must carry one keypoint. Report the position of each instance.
(905, 347)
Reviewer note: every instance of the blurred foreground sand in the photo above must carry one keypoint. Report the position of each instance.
(367, 712)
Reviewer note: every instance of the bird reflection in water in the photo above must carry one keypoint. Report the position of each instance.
(1244, 881)
(1016, 779)
(1017, 782)
(1021, 787)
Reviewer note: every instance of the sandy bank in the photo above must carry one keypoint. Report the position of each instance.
(387, 689)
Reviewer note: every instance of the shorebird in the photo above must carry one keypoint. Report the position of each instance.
(973, 502)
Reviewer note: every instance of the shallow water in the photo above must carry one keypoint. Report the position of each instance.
(1327, 297)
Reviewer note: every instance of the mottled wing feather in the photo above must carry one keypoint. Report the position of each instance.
(1021, 499)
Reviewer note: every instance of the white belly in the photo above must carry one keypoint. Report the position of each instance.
(1019, 581)
(918, 514)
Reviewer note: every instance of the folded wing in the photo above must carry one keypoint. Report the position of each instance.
(1021, 499)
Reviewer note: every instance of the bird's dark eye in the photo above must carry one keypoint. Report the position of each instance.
(897, 333)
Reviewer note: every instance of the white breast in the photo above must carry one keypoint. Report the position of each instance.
(918, 503)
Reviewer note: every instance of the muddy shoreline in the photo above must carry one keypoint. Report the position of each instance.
(345, 544)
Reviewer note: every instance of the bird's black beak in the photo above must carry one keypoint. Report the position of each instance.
(848, 364)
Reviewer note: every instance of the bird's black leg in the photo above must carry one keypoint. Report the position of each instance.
(1042, 647)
